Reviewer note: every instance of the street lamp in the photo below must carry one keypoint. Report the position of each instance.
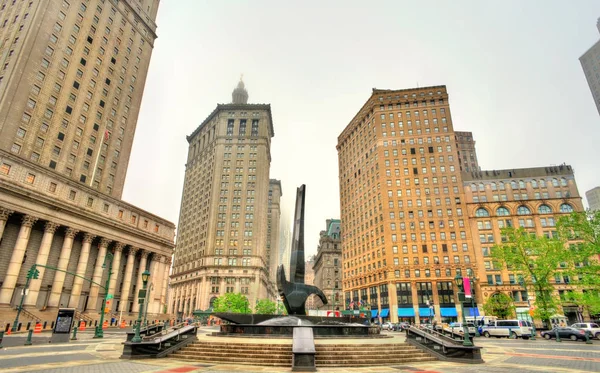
(99, 333)
(473, 280)
(461, 297)
(141, 297)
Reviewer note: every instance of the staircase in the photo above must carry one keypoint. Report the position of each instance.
(276, 355)
(280, 355)
(360, 355)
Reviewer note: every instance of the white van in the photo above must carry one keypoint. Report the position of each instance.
(508, 328)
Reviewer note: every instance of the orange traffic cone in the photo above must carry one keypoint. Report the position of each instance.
(8, 332)
(123, 324)
(104, 325)
(38, 328)
(82, 326)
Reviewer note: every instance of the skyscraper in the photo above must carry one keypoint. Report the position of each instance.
(405, 234)
(70, 91)
(467, 156)
(593, 198)
(223, 227)
(273, 221)
(590, 62)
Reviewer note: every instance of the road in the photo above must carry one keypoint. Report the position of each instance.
(102, 356)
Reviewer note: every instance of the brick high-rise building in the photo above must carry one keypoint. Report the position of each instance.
(405, 233)
(531, 198)
(70, 91)
(223, 224)
(590, 62)
(467, 156)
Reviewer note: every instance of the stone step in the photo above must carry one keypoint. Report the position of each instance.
(245, 354)
(368, 353)
(237, 360)
(256, 349)
(369, 362)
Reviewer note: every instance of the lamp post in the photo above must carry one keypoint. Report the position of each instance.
(141, 298)
(461, 297)
(99, 333)
(33, 273)
(473, 280)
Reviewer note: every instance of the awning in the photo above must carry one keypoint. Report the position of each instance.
(424, 312)
(448, 312)
(374, 313)
(469, 311)
(406, 312)
(385, 312)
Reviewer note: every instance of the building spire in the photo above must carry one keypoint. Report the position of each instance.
(240, 95)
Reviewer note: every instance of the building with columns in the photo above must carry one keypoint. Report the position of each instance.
(223, 222)
(328, 266)
(70, 94)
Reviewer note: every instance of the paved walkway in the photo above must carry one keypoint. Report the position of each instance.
(102, 356)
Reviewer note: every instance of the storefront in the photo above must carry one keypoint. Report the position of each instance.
(406, 314)
(448, 314)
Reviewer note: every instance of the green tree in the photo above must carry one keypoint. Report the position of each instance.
(581, 230)
(233, 303)
(536, 260)
(500, 305)
(266, 307)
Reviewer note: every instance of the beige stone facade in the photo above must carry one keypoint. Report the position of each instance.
(590, 63)
(328, 266)
(309, 279)
(73, 79)
(531, 198)
(273, 221)
(51, 220)
(223, 226)
(405, 231)
(593, 198)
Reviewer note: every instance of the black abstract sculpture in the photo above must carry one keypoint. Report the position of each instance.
(295, 293)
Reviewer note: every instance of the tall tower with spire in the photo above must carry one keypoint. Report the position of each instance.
(223, 230)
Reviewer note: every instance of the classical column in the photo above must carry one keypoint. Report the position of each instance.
(4, 214)
(152, 283)
(97, 277)
(139, 284)
(158, 281)
(163, 290)
(16, 260)
(42, 259)
(124, 304)
(116, 267)
(63, 263)
(81, 267)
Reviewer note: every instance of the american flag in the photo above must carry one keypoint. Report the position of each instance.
(106, 135)
(351, 305)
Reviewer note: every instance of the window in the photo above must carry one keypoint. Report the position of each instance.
(52, 187)
(15, 148)
(566, 208)
(72, 195)
(523, 210)
(5, 169)
(502, 211)
(544, 209)
(481, 212)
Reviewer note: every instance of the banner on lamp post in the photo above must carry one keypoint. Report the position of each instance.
(467, 287)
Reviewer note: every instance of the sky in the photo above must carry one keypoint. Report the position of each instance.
(511, 68)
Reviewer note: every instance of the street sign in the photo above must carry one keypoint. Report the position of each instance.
(109, 296)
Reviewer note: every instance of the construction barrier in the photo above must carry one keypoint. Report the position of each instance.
(82, 326)
(104, 325)
(123, 324)
(38, 328)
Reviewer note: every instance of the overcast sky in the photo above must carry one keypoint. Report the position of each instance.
(511, 69)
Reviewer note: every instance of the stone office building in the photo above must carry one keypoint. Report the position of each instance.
(70, 92)
(328, 266)
(223, 222)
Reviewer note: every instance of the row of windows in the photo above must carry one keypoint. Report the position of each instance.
(523, 210)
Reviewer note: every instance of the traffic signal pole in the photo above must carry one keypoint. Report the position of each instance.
(32, 273)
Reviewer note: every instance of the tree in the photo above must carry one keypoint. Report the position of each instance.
(500, 305)
(581, 231)
(535, 260)
(266, 307)
(233, 303)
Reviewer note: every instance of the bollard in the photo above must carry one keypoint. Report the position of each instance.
(19, 327)
(1, 337)
(74, 337)
(28, 340)
(45, 325)
(28, 326)
(557, 335)
(587, 338)
(52, 325)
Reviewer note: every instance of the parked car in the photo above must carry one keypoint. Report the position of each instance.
(387, 326)
(457, 328)
(564, 332)
(401, 326)
(508, 328)
(593, 328)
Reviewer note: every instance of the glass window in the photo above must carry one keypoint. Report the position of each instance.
(523, 210)
(566, 208)
(481, 212)
(544, 209)
(502, 211)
